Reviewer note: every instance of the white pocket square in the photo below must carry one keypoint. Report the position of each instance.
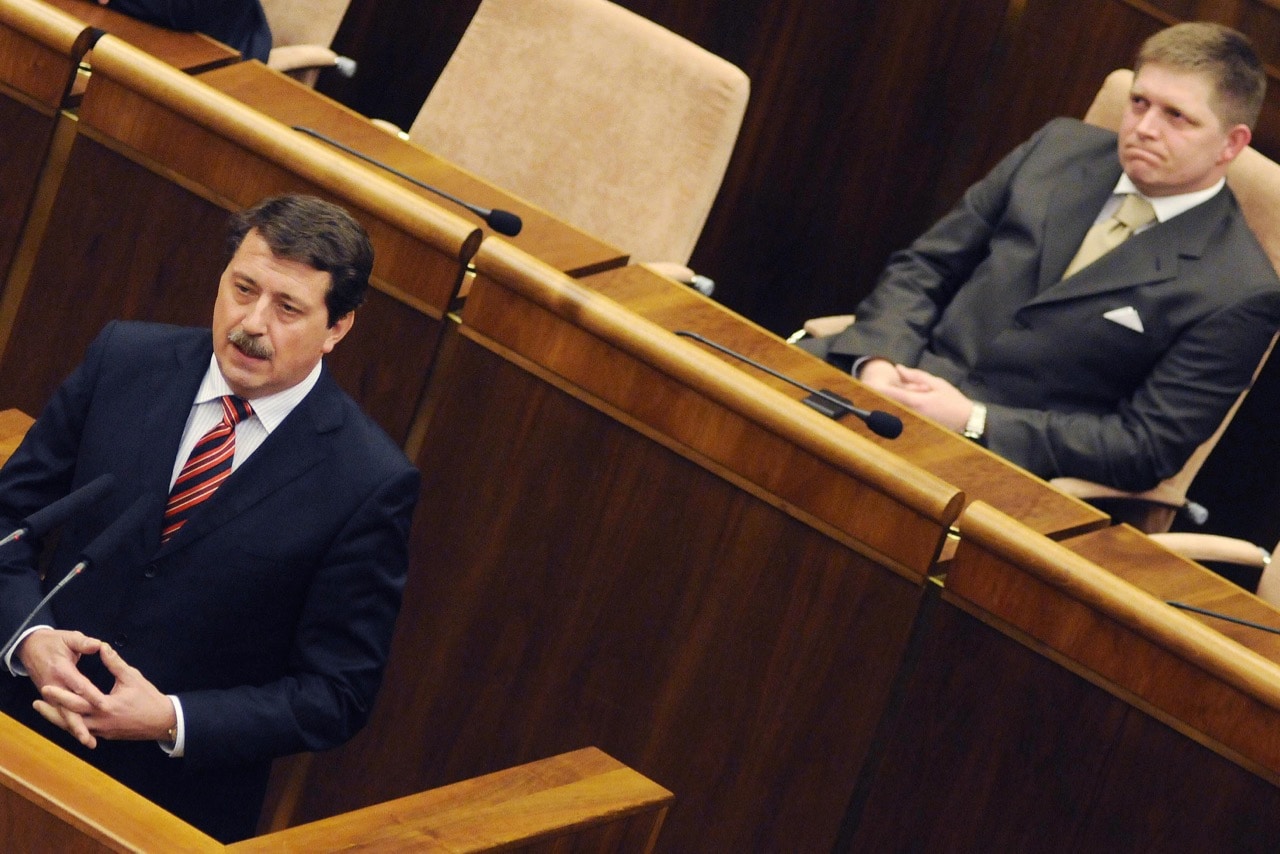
(1126, 317)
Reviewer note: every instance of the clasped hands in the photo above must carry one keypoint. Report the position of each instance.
(133, 710)
(919, 391)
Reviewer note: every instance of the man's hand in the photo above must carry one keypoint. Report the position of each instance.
(918, 390)
(134, 710)
(50, 657)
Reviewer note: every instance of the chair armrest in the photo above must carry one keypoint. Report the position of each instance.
(682, 274)
(818, 327)
(390, 127)
(293, 57)
(1202, 547)
(1087, 490)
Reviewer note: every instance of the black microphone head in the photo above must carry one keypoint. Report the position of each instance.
(504, 222)
(884, 424)
(113, 536)
(43, 521)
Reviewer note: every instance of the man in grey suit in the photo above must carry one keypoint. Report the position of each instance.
(1113, 369)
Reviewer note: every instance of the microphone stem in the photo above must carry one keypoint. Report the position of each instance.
(13, 639)
(827, 396)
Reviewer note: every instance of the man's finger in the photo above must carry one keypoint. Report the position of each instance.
(68, 721)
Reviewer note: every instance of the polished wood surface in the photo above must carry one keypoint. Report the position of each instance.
(287, 100)
(1052, 705)
(581, 801)
(188, 51)
(138, 231)
(625, 542)
(52, 801)
(40, 50)
(980, 474)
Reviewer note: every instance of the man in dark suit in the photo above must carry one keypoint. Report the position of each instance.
(240, 24)
(1114, 369)
(257, 624)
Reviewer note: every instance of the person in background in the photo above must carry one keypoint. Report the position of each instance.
(1009, 321)
(240, 24)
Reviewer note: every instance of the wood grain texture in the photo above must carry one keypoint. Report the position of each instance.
(582, 798)
(187, 51)
(614, 547)
(980, 474)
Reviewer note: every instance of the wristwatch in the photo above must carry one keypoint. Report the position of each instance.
(977, 423)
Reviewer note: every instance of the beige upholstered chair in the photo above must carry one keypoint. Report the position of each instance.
(603, 118)
(301, 32)
(1256, 182)
(1218, 549)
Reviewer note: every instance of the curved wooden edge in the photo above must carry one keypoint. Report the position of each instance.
(1083, 581)
(311, 159)
(712, 377)
(49, 26)
(75, 800)
(551, 799)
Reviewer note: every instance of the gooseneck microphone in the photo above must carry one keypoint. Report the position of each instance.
(503, 222)
(98, 550)
(41, 522)
(828, 403)
(1219, 615)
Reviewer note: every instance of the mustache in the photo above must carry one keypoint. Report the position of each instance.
(258, 348)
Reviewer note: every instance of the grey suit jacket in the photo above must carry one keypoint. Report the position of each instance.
(978, 300)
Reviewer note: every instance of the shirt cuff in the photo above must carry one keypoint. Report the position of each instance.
(177, 747)
(15, 665)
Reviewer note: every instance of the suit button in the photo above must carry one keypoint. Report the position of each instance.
(121, 641)
(150, 571)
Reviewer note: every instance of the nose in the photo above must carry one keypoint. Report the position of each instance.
(1147, 124)
(255, 318)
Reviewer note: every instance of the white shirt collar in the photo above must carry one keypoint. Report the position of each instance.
(271, 409)
(1167, 207)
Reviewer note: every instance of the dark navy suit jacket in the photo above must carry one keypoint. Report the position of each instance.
(240, 24)
(269, 614)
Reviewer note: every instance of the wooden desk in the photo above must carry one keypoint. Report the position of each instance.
(1054, 706)
(190, 52)
(288, 101)
(980, 474)
(625, 542)
(52, 801)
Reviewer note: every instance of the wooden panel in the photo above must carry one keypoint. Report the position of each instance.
(39, 50)
(185, 50)
(622, 541)
(1222, 690)
(584, 800)
(980, 474)
(1000, 748)
(137, 230)
(283, 98)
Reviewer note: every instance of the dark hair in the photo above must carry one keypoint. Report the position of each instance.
(1226, 57)
(319, 234)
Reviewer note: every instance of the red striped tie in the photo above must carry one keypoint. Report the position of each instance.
(206, 468)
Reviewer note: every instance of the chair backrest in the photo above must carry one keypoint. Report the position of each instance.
(304, 21)
(603, 118)
(1255, 179)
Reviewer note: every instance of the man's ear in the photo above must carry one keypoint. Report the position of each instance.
(1237, 138)
(339, 330)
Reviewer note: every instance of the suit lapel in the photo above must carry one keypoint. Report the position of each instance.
(1147, 258)
(1072, 207)
(292, 448)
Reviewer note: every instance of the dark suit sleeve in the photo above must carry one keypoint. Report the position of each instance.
(918, 283)
(342, 641)
(1149, 436)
